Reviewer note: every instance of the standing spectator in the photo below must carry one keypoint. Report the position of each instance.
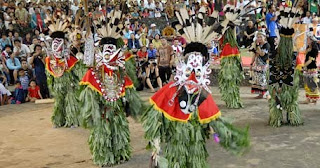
(177, 49)
(133, 43)
(157, 42)
(272, 26)
(152, 52)
(22, 15)
(307, 19)
(259, 66)
(74, 7)
(21, 50)
(182, 41)
(37, 20)
(249, 34)
(153, 31)
(38, 61)
(5, 41)
(313, 8)
(13, 65)
(165, 61)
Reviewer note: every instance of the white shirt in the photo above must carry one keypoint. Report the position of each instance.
(74, 9)
(306, 20)
(24, 50)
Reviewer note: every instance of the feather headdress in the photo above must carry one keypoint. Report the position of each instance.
(77, 28)
(110, 26)
(289, 15)
(58, 25)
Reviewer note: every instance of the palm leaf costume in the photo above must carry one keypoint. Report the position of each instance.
(183, 113)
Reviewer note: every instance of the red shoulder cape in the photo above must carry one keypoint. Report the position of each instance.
(90, 80)
(71, 63)
(207, 110)
(229, 51)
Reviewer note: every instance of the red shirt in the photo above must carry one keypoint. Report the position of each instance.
(142, 54)
(39, 21)
(34, 92)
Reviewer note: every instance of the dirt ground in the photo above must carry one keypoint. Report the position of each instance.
(28, 140)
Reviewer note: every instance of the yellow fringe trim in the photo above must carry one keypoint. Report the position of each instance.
(207, 120)
(68, 70)
(230, 55)
(169, 117)
(91, 86)
(166, 114)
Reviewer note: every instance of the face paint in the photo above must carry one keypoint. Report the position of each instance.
(58, 47)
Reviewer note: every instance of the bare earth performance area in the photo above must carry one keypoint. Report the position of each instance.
(29, 140)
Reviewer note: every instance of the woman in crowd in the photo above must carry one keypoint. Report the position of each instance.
(259, 66)
(156, 41)
(144, 41)
(310, 72)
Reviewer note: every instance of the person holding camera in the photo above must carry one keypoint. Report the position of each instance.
(38, 61)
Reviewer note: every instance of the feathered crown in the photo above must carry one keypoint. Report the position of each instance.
(110, 27)
(289, 15)
(77, 27)
(58, 25)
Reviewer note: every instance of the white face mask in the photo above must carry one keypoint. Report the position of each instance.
(57, 47)
(110, 57)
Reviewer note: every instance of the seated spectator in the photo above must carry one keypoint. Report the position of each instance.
(133, 43)
(22, 15)
(169, 10)
(153, 31)
(157, 42)
(144, 41)
(182, 41)
(28, 71)
(24, 79)
(135, 27)
(27, 40)
(5, 53)
(144, 28)
(36, 34)
(135, 14)
(307, 19)
(21, 50)
(127, 33)
(138, 35)
(16, 36)
(145, 13)
(4, 71)
(5, 41)
(249, 34)
(35, 42)
(13, 65)
(33, 92)
(18, 94)
(157, 10)
(4, 92)
(152, 52)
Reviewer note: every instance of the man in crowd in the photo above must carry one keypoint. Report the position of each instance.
(165, 61)
(4, 41)
(271, 19)
(153, 31)
(21, 50)
(22, 15)
(38, 61)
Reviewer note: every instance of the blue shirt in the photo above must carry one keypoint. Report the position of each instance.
(152, 53)
(5, 42)
(24, 82)
(13, 65)
(271, 25)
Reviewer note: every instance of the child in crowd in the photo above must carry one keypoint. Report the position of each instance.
(24, 79)
(33, 92)
(18, 96)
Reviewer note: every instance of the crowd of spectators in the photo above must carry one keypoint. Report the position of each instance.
(23, 53)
